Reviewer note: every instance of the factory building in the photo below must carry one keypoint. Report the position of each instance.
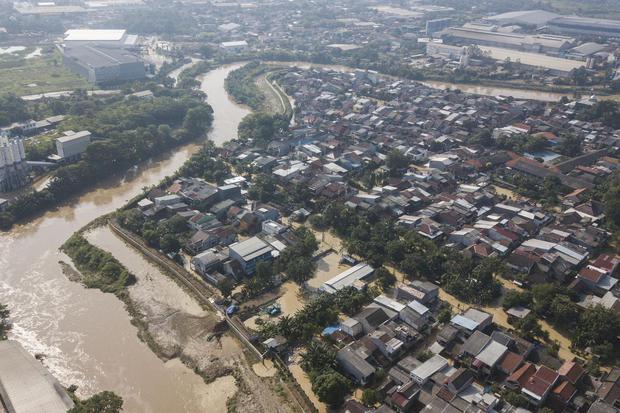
(108, 38)
(101, 64)
(72, 145)
(535, 18)
(102, 56)
(436, 25)
(585, 26)
(13, 166)
(517, 41)
(445, 51)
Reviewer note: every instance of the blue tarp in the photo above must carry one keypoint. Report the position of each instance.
(328, 331)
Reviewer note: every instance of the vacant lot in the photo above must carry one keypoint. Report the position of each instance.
(26, 73)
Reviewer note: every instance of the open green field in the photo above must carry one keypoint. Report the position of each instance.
(38, 74)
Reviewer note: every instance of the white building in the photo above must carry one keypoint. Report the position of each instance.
(72, 144)
(109, 38)
(234, 46)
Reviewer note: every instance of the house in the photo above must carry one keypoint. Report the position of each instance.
(359, 272)
(571, 371)
(538, 386)
(424, 291)
(352, 327)
(510, 362)
(472, 320)
(596, 279)
(250, 252)
(404, 397)
(203, 240)
(609, 389)
(355, 364)
(415, 314)
(474, 344)
(207, 261)
(370, 318)
(423, 373)
(519, 378)
(489, 357)
(517, 313)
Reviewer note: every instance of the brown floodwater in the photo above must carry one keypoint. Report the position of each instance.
(85, 335)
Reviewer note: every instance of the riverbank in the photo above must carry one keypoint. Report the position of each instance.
(86, 336)
(481, 88)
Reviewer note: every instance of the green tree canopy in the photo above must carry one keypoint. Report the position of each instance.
(331, 387)
(104, 402)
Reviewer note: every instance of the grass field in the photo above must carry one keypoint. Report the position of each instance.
(37, 74)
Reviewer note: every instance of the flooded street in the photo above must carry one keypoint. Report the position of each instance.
(85, 335)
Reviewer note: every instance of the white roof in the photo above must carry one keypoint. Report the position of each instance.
(73, 136)
(384, 301)
(539, 244)
(27, 385)
(347, 277)
(429, 367)
(88, 35)
(418, 307)
(234, 44)
(492, 353)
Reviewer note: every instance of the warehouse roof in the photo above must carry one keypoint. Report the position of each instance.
(587, 22)
(100, 56)
(533, 17)
(533, 59)
(511, 39)
(251, 248)
(26, 386)
(88, 35)
(347, 278)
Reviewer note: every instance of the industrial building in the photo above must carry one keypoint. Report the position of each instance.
(102, 64)
(436, 25)
(536, 18)
(108, 38)
(559, 24)
(13, 166)
(72, 145)
(585, 26)
(556, 65)
(26, 386)
(446, 51)
(526, 42)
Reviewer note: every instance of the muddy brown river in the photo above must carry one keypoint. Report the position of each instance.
(85, 335)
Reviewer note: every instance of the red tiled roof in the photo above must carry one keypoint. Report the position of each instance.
(590, 274)
(537, 386)
(522, 375)
(606, 262)
(572, 371)
(565, 391)
(547, 374)
(511, 362)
